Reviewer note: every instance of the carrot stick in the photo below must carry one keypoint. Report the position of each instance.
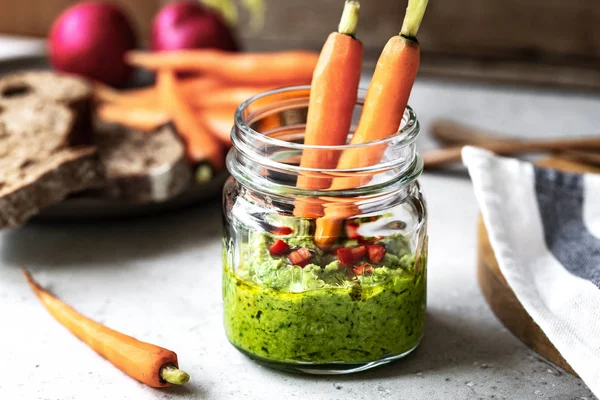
(201, 144)
(219, 121)
(225, 96)
(333, 93)
(145, 119)
(193, 88)
(149, 364)
(288, 67)
(140, 97)
(385, 102)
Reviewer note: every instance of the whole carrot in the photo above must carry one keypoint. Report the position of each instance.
(143, 118)
(387, 96)
(139, 97)
(383, 110)
(333, 92)
(145, 362)
(220, 121)
(201, 143)
(287, 67)
(225, 96)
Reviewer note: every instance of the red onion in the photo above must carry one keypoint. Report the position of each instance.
(90, 39)
(189, 25)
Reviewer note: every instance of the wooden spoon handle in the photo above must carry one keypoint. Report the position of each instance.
(450, 132)
(441, 157)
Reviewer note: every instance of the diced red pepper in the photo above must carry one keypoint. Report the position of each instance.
(352, 231)
(376, 253)
(358, 253)
(279, 248)
(282, 231)
(300, 257)
(344, 256)
(363, 269)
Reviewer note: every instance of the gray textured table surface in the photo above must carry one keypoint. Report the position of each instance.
(159, 279)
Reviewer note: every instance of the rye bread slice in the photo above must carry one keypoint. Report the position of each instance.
(142, 167)
(47, 182)
(69, 90)
(37, 168)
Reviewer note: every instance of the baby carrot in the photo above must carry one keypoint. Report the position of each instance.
(333, 93)
(334, 88)
(142, 118)
(139, 97)
(201, 144)
(225, 96)
(387, 96)
(385, 102)
(286, 68)
(149, 364)
(219, 121)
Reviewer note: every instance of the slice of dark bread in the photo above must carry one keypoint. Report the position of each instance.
(72, 91)
(47, 182)
(37, 168)
(142, 167)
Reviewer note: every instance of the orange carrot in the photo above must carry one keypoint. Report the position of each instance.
(139, 97)
(333, 93)
(286, 68)
(193, 88)
(334, 89)
(385, 102)
(140, 118)
(219, 121)
(201, 144)
(200, 85)
(225, 96)
(149, 364)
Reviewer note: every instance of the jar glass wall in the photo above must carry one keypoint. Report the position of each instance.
(325, 280)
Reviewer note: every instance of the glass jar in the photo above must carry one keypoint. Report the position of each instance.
(327, 280)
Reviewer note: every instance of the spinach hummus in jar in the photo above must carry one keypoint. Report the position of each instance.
(289, 301)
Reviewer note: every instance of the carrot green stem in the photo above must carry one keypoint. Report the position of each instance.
(173, 375)
(204, 173)
(413, 18)
(349, 19)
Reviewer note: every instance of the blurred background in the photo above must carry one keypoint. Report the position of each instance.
(542, 42)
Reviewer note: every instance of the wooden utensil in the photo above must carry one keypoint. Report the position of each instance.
(458, 134)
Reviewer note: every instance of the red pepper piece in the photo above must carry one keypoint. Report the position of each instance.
(279, 248)
(363, 269)
(282, 231)
(376, 253)
(345, 256)
(300, 257)
(352, 231)
(358, 253)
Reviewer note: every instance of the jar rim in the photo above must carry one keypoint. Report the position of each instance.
(406, 135)
(255, 152)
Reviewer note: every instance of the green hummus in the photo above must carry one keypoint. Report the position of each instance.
(324, 313)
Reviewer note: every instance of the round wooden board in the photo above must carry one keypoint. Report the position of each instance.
(499, 295)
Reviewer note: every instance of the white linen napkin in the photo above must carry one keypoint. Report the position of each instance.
(544, 227)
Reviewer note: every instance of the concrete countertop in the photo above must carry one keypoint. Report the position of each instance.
(158, 279)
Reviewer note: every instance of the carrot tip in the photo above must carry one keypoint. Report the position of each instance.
(29, 278)
(174, 375)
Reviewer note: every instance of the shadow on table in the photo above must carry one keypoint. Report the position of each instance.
(111, 243)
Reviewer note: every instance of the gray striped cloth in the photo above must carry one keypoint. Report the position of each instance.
(544, 227)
